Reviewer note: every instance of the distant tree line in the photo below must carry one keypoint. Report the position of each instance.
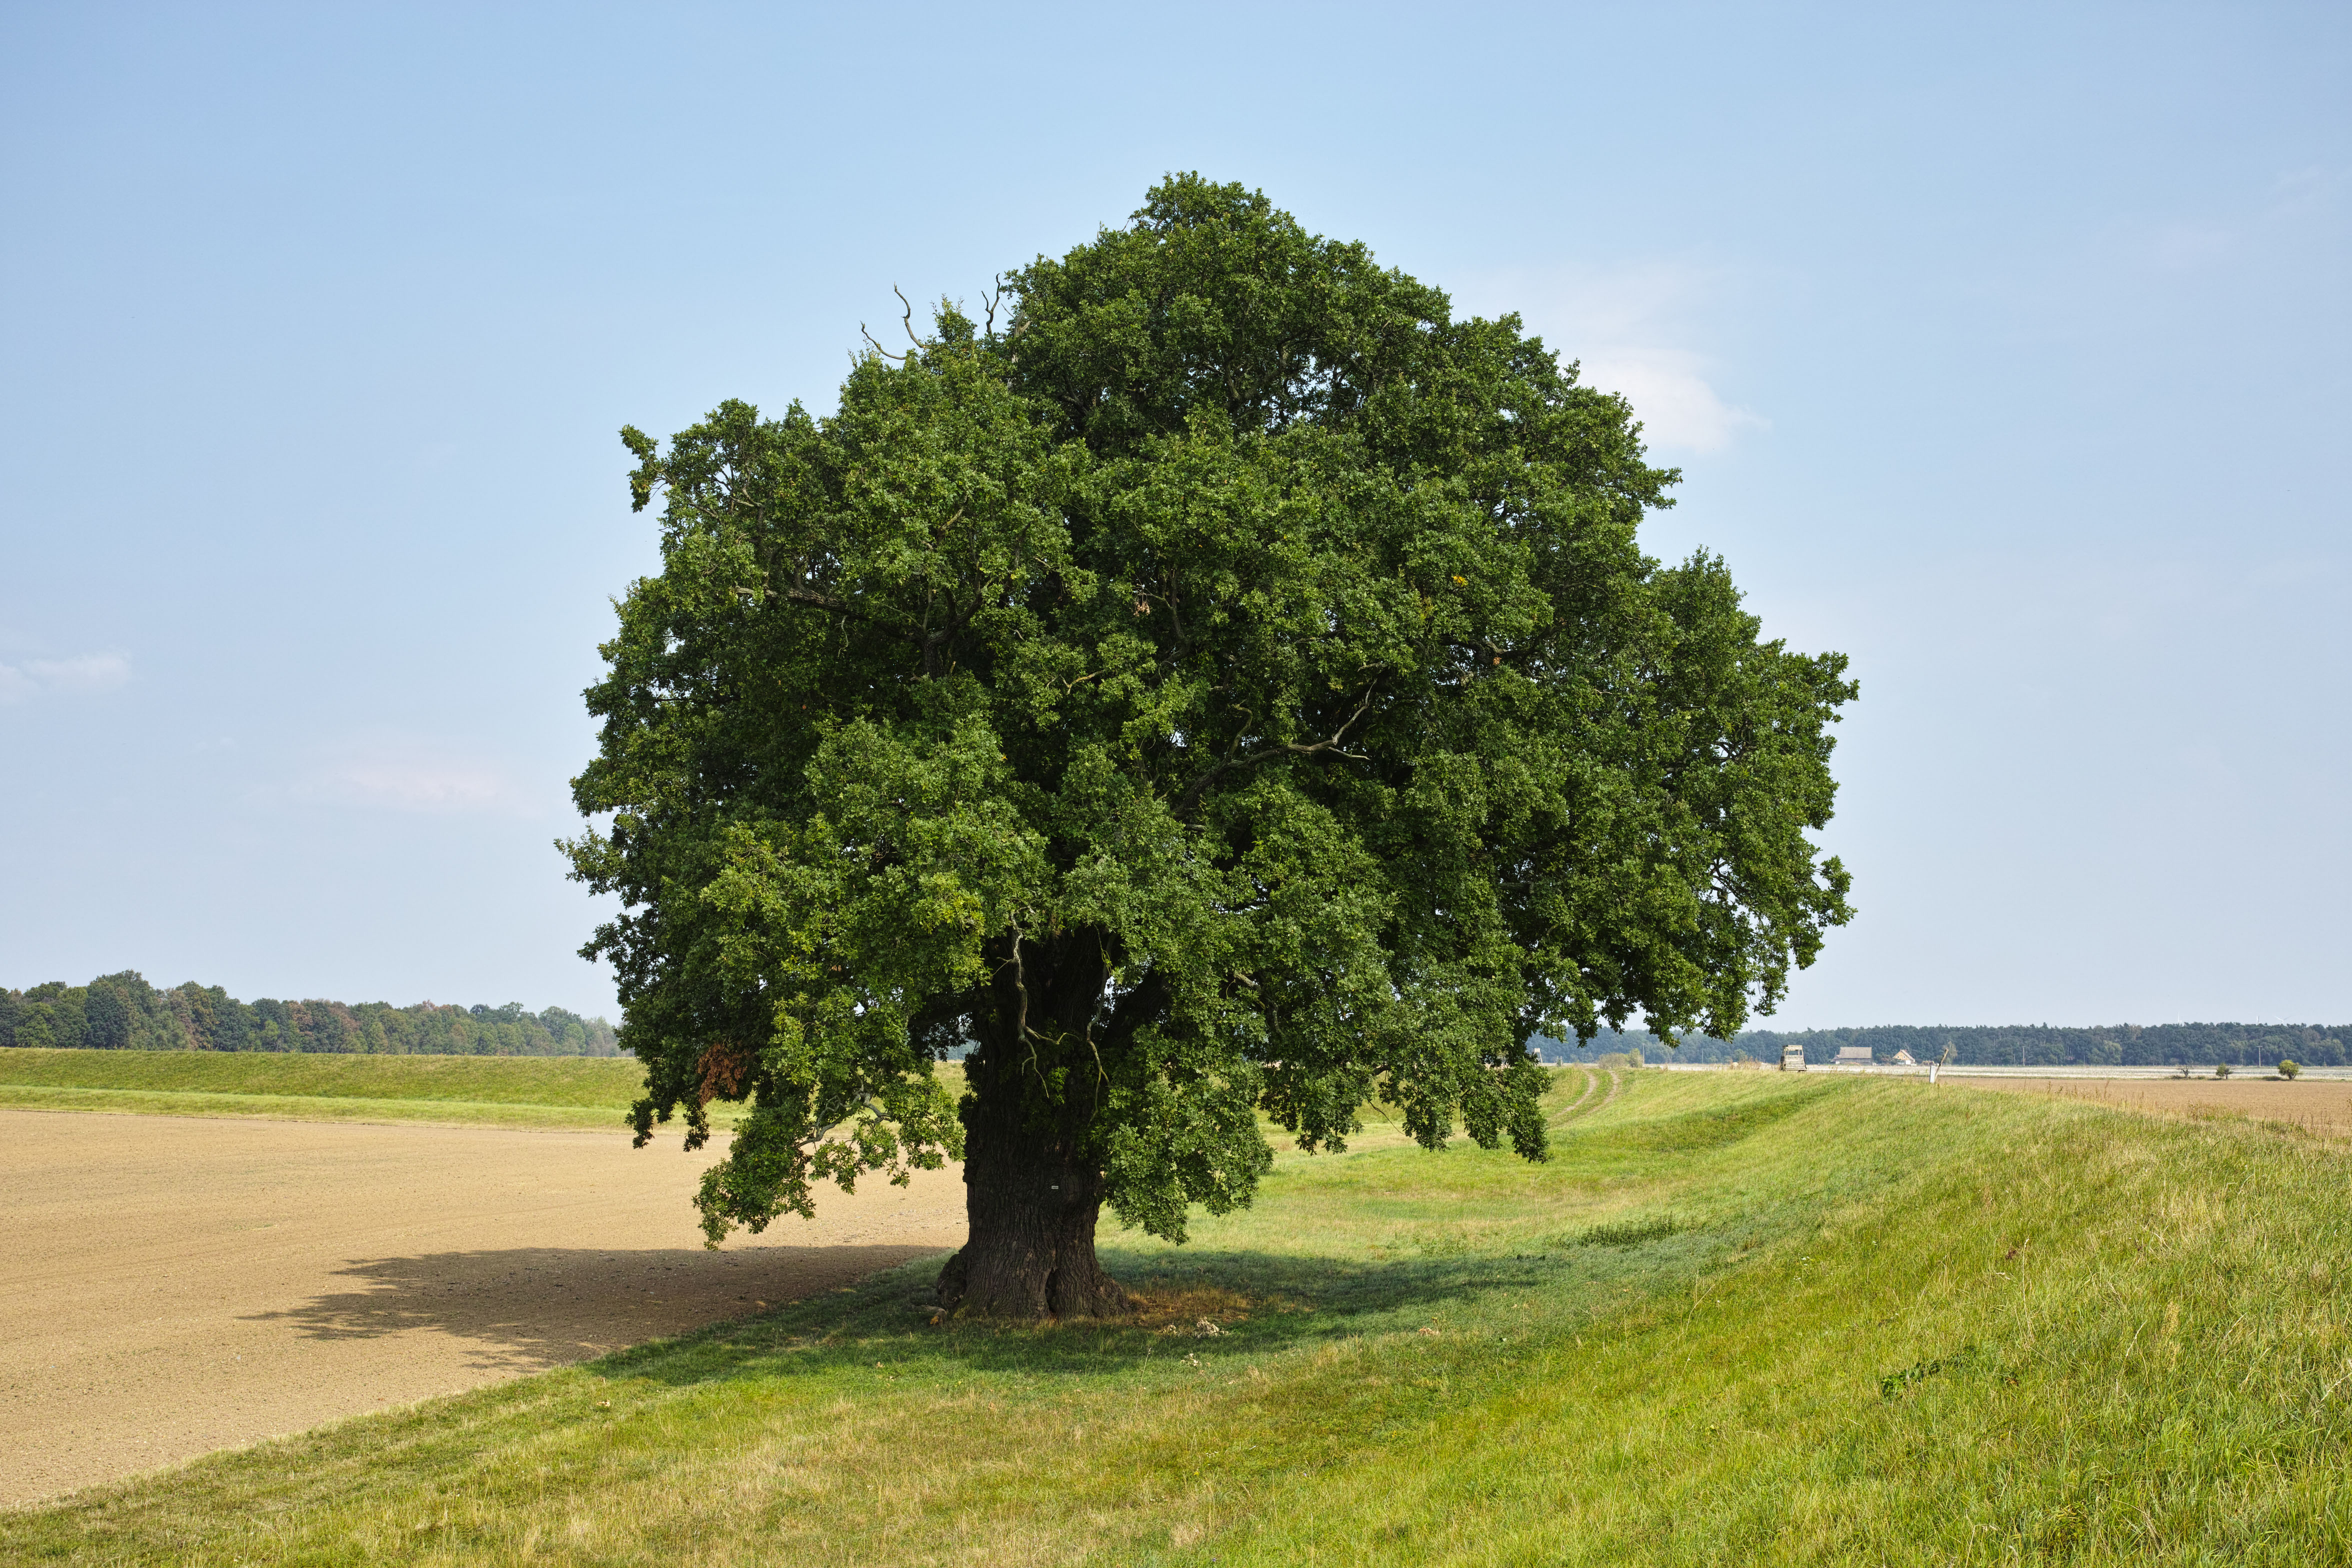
(2006, 1044)
(122, 1011)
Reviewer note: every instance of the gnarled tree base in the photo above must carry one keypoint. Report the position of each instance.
(1043, 1266)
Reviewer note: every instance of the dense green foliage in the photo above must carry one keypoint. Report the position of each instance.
(2012, 1044)
(1232, 681)
(122, 1011)
(1735, 1319)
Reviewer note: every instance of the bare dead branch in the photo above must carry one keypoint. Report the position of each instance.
(1328, 748)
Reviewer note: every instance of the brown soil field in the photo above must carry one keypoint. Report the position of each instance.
(2319, 1107)
(172, 1286)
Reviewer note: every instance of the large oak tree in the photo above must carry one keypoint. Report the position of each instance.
(1222, 681)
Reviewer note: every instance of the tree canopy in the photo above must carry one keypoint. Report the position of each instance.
(1217, 679)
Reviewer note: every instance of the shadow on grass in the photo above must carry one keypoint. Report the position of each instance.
(1203, 1305)
(1196, 1306)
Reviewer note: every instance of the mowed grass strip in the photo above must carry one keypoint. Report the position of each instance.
(597, 1082)
(1735, 1319)
(308, 1108)
(504, 1092)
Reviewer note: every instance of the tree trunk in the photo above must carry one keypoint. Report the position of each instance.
(1031, 1251)
(1030, 1201)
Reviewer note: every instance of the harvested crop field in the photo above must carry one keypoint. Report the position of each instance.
(174, 1286)
(2324, 1107)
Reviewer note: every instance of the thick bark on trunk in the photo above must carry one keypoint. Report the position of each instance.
(1031, 1252)
(1031, 1200)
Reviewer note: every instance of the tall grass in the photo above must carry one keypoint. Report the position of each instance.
(1735, 1319)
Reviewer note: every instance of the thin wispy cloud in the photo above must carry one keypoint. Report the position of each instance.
(414, 777)
(82, 675)
(1636, 329)
(1671, 395)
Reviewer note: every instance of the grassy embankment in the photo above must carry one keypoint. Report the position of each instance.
(1735, 1319)
(503, 1092)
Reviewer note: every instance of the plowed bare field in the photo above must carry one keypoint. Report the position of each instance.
(172, 1286)
(2321, 1107)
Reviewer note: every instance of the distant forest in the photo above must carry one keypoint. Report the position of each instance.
(2008, 1045)
(122, 1011)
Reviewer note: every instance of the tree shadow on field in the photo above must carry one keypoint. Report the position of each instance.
(1195, 1306)
(528, 1308)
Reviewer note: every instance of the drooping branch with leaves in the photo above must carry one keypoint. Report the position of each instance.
(1230, 684)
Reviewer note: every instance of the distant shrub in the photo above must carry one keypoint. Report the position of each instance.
(2221, 1069)
(2288, 1070)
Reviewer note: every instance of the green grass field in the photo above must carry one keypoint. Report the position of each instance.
(507, 1091)
(1736, 1318)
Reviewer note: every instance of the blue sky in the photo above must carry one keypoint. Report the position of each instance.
(2004, 348)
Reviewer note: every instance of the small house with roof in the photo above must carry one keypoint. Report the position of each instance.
(1854, 1057)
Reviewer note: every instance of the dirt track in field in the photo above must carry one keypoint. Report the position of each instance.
(170, 1286)
(2324, 1107)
